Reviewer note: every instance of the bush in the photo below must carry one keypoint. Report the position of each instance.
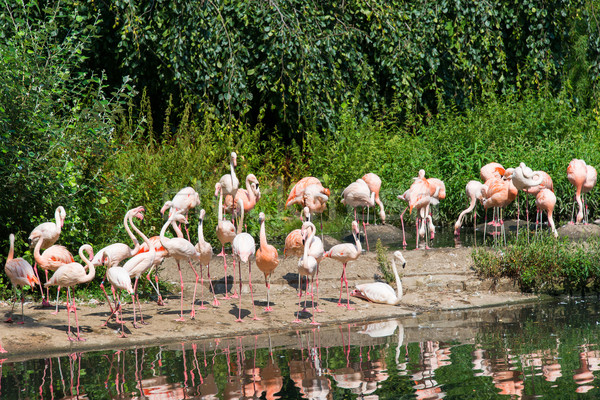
(543, 264)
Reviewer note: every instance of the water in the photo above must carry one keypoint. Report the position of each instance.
(545, 350)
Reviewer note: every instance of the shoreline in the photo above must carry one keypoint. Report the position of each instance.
(436, 280)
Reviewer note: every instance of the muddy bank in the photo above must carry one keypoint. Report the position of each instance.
(433, 280)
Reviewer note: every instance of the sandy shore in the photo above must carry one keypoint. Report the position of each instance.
(433, 280)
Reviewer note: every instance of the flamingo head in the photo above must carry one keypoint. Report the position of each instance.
(177, 216)
(261, 217)
(63, 214)
(252, 179)
(400, 258)
(202, 214)
(167, 205)
(217, 189)
(355, 227)
(234, 158)
(139, 213)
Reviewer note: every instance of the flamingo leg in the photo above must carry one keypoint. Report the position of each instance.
(349, 307)
(180, 319)
(120, 308)
(69, 314)
(48, 288)
(403, 234)
(317, 309)
(212, 289)
(57, 297)
(107, 299)
(251, 293)
(193, 313)
(240, 283)
(222, 254)
(159, 300)
(313, 304)
(202, 306)
(365, 226)
(45, 302)
(341, 286)
(22, 314)
(297, 320)
(268, 285)
(79, 338)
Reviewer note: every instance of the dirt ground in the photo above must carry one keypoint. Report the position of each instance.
(435, 279)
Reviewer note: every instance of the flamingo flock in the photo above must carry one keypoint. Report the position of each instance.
(125, 262)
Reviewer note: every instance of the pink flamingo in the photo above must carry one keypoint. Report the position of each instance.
(244, 247)
(499, 194)
(267, 258)
(48, 233)
(250, 195)
(225, 234)
(184, 200)
(20, 273)
(358, 194)
(309, 192)
(344, 253)
(229, 182)
(545, 200)
(296, 195)
(180, 249)
(136, 266)
(206, 252)
(118, 252)
(421, 194)
(120, 279)
(294, 245)
(491, 170)
(380, 292)
(583, 177)
(161, 254)
(70, 275)
(315, 250)
(374, 183)
(524, 178)
(475, 191)
(52, 258)
(307, 266)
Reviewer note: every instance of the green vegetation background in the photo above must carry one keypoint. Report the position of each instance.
(108, 105)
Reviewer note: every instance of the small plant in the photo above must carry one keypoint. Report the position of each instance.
(384, 265)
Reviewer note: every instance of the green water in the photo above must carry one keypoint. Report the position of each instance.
(546, 350)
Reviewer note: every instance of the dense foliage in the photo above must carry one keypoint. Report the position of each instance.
(544, 264)
(109, 105)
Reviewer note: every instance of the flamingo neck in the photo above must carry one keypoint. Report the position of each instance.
(91, 269)
(398, 281)
(151, 249)
(58, 220)
(136, 243)
(201, 231)
(263, 235)
(357, 242)
(36, 252)
(220, 212)
(251, 195)
(162, 236)
(232, 172)
(11, 250)
(241, 204)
